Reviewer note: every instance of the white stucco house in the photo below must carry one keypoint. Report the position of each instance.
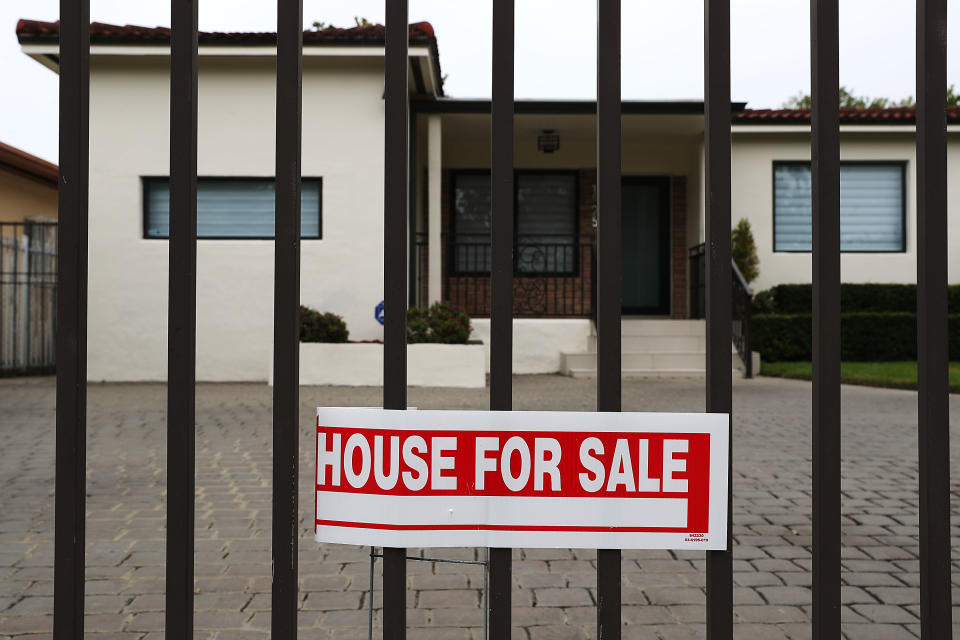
(342, 264)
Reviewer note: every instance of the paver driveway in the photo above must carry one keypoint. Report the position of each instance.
(554, 597)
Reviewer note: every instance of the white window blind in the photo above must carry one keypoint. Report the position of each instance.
(871, 207)
(231, 208)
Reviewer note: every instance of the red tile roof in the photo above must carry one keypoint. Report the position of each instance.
(21, 162)
(100, 33)
(421, 33)
(895, 115)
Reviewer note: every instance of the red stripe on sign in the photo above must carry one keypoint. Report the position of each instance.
(578, 464)
(494, 527)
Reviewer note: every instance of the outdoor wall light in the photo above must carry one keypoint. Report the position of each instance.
(548, 141)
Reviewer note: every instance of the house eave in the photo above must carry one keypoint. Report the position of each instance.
(423, 64)
(567, 107)
(804, 128)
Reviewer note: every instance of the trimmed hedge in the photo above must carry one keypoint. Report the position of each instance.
(854, 298)
(864, 337)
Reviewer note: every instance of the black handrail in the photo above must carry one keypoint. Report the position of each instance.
(742, 304)
(742, 319)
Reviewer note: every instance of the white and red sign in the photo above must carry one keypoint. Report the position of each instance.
(522, 479)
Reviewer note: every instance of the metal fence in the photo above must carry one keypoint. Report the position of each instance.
(28, 297)
(934, 486)
(741, 302)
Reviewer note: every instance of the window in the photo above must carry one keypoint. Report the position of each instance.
(471, 213)
(231, 208)
(545, 227)
(872, 207)
(546, 223)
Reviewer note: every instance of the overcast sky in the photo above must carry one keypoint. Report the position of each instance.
(556, 43)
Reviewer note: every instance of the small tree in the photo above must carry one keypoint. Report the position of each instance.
(744, 251)
(850, 100)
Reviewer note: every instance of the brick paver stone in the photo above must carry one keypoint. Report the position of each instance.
(555, 588)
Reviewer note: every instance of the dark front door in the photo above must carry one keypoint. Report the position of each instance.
(646, 245)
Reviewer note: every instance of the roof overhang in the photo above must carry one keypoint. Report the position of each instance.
(29, 166)
(804, 128)
(568, 107)
(41, 41)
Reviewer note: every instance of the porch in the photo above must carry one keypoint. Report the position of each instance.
(555, 222)
(555, 207)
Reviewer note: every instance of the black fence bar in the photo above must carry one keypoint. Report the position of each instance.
(501, 176)
(396, 202)
(932, 336)
(501, 278)
(412, 292)
(182, 323)
(697, 270)
(825, 153)
(718, 293)
(608, 275)
(286, 321)
(71, 453)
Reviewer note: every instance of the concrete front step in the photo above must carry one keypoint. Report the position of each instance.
(641, 360)
(662, 327)
(649, 373)
(651, 348)
(663, 344)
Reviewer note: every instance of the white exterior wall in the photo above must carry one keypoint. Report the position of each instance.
(129, 133)
(752, 198)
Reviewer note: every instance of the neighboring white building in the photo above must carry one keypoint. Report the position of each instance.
(343, 141)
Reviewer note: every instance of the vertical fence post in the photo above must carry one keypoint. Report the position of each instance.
(932, 328)
(286, 320)
(825, 175)
(501, 276)
(719, 282)
(396, 203)
(182, 324)
(609, 276)
(71, 348)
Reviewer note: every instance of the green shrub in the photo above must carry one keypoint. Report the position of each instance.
(744, 251)
(864, 337)
(878, 297)
(765, 301)
(418, 325)
(788, 298)
(449, 324)
(878, 337)
(321, 327)
(442, 323)
(854, 298)
(782, 337)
